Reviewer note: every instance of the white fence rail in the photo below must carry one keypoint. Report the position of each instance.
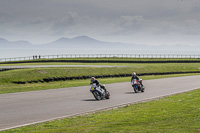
(99, 56)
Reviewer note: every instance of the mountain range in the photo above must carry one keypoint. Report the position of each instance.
(13, 44)
(77, 42)
(84, 42)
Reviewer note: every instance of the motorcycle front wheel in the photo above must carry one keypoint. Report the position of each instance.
(135, 87)
(97, 95)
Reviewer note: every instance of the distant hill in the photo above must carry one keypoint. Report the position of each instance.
(14, 44)
(77, 42)
(85, 42)
(3, 41)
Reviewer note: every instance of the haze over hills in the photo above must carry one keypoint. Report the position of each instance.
(84, 42)
(14, 44)
(77, 42)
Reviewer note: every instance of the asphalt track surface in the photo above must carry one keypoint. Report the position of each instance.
(25, 108)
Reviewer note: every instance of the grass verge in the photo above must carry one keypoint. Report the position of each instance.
(40, 73)
(178, 113)
(7, 77)
(13, 88)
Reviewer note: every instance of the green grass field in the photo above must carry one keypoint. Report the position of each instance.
(39, 73)
(178, 113)
(13, 88)
(7, 77)
(173, 114)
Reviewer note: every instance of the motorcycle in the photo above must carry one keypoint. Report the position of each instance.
(137, 86)
(98, 92)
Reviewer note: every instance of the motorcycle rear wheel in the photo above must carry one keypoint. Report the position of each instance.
(107, 95)
(142, 89)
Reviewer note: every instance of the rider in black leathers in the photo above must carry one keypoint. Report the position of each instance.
(134, 76)
(93, 80)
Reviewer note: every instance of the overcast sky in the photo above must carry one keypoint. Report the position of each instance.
(154, 22)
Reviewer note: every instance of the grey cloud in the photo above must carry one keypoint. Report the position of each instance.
(192, 26)
(105, 18)
(131, 21)
(69, 22)
(61, 25)
(165, 27)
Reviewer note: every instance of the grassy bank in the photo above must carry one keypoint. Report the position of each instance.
(13, 88)
(40, 73)
(7, 77)
(178, 113)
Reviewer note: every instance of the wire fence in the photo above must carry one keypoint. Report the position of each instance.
(35, 57)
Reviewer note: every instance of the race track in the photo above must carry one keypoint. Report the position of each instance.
(19, 109)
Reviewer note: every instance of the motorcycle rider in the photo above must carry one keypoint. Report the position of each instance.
(93, 80)
(134, 76)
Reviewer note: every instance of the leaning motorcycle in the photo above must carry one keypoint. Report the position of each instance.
(98, 92)
(137, 86)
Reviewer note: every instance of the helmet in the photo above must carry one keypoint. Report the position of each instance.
(133, 73)
(92, 79)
